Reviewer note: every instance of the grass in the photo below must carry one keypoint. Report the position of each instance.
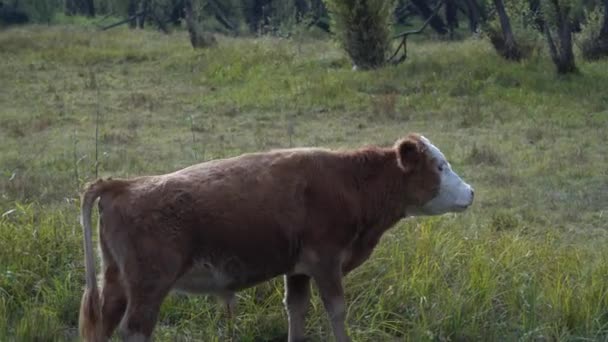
(527, 262)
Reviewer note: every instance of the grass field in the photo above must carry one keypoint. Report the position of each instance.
(528, 262)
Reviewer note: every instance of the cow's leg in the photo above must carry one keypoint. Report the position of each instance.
(228, 299)
(113, 301)
(329, 282)
(297, 298)
(145, 299)
(113, 295)
(150, 276)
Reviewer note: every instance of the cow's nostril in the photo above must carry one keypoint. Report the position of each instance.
(472, 193)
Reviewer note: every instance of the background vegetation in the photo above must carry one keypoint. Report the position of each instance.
(527, 262)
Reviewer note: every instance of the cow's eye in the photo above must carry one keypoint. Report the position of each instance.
(440, 167)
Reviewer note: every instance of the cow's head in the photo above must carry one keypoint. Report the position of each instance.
(433, 188)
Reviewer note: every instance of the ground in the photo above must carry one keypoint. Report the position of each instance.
(526, 262)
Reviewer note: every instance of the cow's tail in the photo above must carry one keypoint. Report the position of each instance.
(90, 325)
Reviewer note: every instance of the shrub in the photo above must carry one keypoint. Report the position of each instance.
(363, 28)
(529, 39)
(593, 46)
(198, 37)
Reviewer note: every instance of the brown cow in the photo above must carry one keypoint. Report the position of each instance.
(225, 225)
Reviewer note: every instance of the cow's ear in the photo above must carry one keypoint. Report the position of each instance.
(409, 153)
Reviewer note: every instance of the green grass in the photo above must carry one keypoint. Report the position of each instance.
(527, 262)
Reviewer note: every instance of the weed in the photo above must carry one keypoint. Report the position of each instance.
(526, 262)
(484, 155)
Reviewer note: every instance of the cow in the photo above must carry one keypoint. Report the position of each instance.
(225, 225)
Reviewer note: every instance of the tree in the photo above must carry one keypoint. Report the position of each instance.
(595, 36)
(257, 13)
(90, 8)
(506, 44)
(145, 7)
(451, 16)
(363, 28)
(603, 36)
(198, 38)
(403, 36)
(560, 46)
(436, 22)
(74, 7)
(131, 11)
(604, 31)
(473, 13)
(10, 15)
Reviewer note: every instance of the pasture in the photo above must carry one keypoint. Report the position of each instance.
(527, 262)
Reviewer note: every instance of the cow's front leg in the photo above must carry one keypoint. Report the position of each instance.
(228, 300)
(297, 298)
(329, 281)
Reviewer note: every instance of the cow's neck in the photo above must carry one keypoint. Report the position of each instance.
(381, 187)
(378, 182)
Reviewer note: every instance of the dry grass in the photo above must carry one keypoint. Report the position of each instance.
(527, 262)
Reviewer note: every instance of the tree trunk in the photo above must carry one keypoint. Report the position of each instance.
(145, 8)
(511, 51)
(178, 12)
(302, 9)
(198, 39)
(472, 14)
(70, 7)
(90, 8)
(451, 16)
(436, 23)
(604, 31)
(219, 14)
(561, 54)
(190, 22)
(131, 11)
(566, 64)
(601, 43)
(74, 7)
(539, 21)
(256, 14)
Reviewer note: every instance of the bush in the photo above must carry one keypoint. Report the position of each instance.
(529, 39)
(198, 37)
(590, 42)
(363, 28)
(12, 16)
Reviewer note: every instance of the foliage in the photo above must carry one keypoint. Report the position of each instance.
(283, 17)
(363, 29)
(522, 19)
(198, 37)
(558, 18)
(527, 262)
(42, 11)
(591, 42)
(524, 23)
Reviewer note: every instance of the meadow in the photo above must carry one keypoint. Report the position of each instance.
(528, 262)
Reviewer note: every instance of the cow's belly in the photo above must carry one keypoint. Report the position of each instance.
(205, 277)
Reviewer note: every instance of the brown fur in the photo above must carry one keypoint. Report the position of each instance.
(304, 213)
(90, 316)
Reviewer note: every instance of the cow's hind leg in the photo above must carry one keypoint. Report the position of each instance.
(150, 276)
(145, 299)
(297, 299)
(113, 295)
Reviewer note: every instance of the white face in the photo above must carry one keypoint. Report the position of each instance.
(454, 194)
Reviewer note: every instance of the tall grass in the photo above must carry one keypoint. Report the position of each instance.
(527, 262)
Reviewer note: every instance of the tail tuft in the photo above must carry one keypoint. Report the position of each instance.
(90, 316)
